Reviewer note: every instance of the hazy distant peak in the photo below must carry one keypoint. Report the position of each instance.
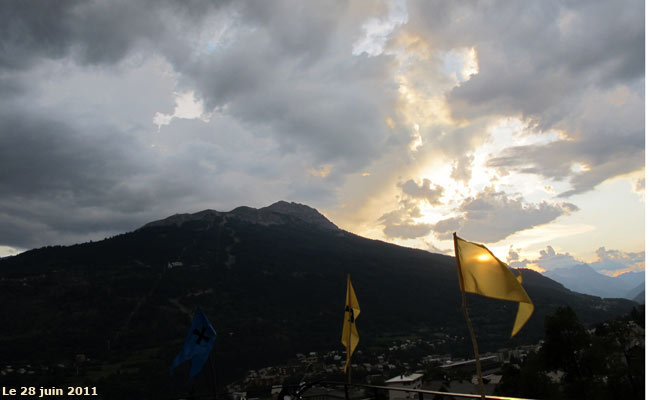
(632, 277)
(583, 278)
(572, 270)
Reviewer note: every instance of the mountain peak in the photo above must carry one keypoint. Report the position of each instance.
(300, 211)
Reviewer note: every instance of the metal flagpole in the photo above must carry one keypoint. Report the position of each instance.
(469, 322)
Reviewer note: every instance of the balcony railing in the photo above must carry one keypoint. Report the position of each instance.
(422, 394)
(371, 392)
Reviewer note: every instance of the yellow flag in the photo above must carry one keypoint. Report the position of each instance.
(480, 272)
(350, 336)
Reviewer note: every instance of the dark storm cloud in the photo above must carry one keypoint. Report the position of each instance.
(281, 73)
(532, 55)
(93, 32)
(65, 182)
(53, 29)
(284, 70)
(297, 81)
(56, 178)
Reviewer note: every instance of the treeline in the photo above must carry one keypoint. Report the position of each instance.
(605, 362)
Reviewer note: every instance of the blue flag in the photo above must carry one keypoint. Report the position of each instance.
(198, 344)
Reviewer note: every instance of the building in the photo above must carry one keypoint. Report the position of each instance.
(413, 381)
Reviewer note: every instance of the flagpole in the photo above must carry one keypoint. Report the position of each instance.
(349, 334)
(469, 322)
(213, 374)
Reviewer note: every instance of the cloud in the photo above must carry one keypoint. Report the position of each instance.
(548, 260)
(537, 71)
(423, 191)
(376, 31)
(608, 155)
(448, 226)
(407, 230)
(67, 182)
(610, 262)
(590, 87)
(491, 216)
(401, 223)
(288, 75)
(55, 179)
(44, 29)
(462, 170)
(81, 160)
(513, 255)
(487, 217)
(283, 72)
(93, 32)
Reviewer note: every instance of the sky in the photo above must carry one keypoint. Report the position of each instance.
(519, 125)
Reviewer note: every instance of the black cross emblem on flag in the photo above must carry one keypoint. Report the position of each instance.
(201, 335)
(351, 311)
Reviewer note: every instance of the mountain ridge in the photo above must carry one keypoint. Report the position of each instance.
(275, 213)
(583, 278)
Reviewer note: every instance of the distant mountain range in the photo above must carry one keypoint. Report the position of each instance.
(582, 278)
(271, 280)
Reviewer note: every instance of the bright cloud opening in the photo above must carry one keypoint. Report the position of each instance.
(187, 107)
(377, 30)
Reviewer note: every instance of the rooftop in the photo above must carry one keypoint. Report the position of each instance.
(405, 378)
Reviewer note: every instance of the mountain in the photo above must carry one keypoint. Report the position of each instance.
(280, 212)
(272, 281)
(632, 278)
(584, 279)
(637, 293)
